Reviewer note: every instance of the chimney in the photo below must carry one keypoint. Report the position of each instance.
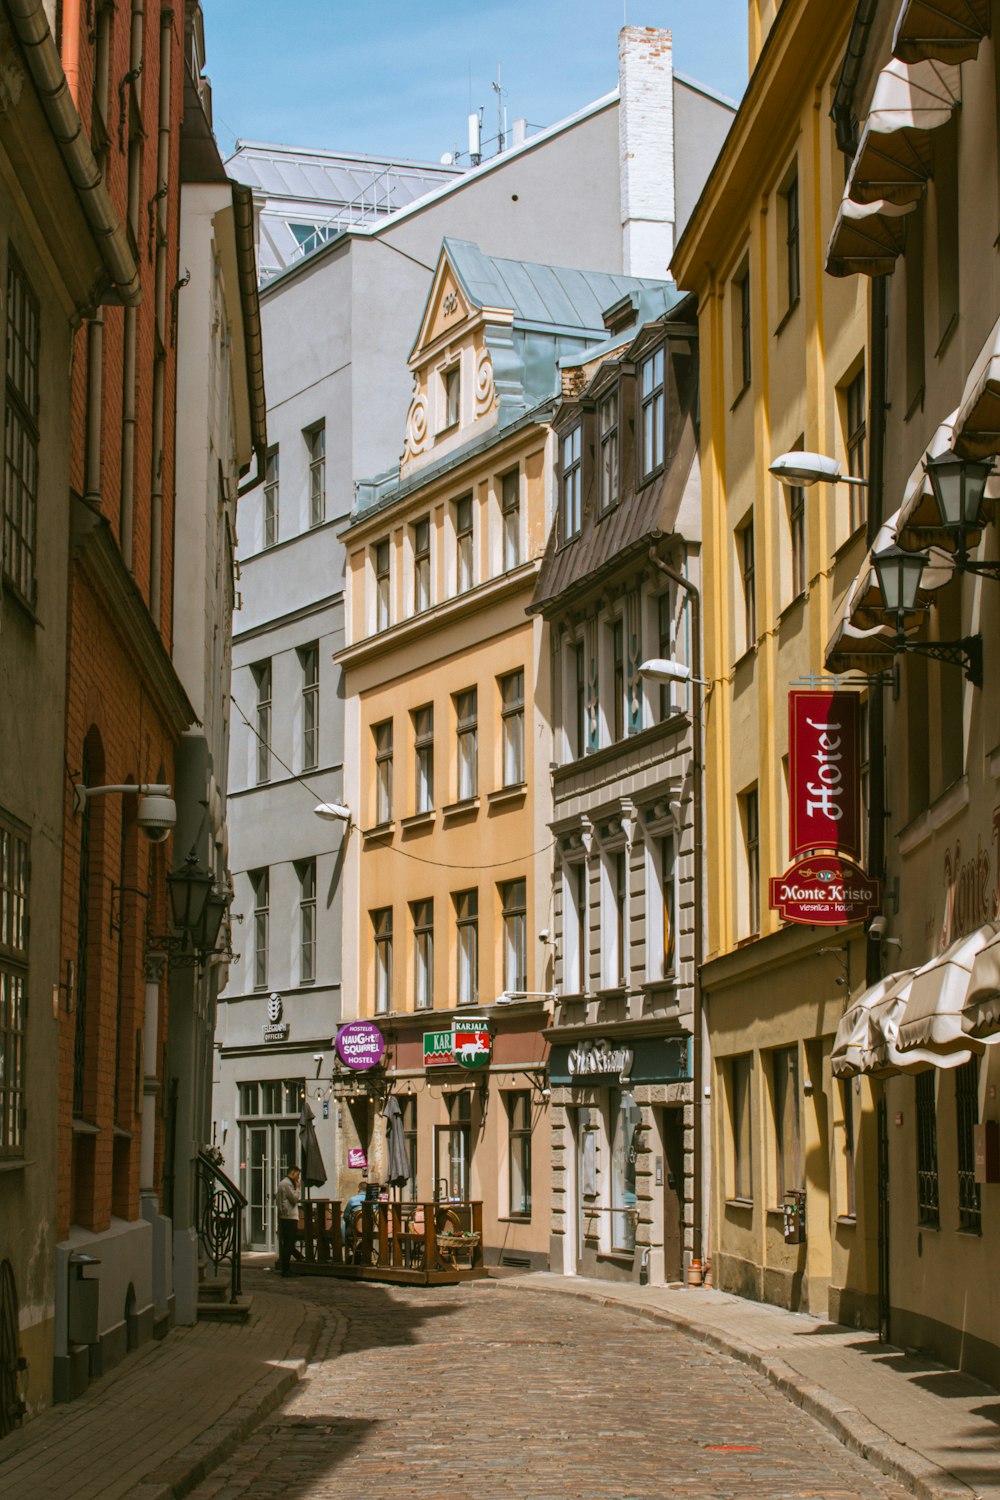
(646, 149)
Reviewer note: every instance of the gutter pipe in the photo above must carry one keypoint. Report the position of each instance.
(160, 296)
(700, 1044)
(32, 30)
(129, 412)
(253, 339)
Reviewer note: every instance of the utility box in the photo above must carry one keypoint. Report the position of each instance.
(83, 1324)
(794, 1214)
(986, 1139)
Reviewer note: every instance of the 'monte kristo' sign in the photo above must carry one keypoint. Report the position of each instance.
(826, 891)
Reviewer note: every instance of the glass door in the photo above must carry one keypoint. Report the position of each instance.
(451, 1170)
(285, 1154)
(255, 1180)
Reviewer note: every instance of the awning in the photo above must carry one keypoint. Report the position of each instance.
(949, 30)
(859, 1035)
(981, 1011)
(895, 155)
(867, 238)
(977, 422)
(932, 1020)
(918, 525)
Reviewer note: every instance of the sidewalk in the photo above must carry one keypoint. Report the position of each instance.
(165, 1416)
(931, 1428)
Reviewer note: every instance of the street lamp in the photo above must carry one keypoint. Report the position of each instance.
(899, 573)
(659, 669)
(332, 812)
(959, 487)
(801, 468)
(189, 889)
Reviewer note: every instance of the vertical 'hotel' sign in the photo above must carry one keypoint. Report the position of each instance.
(824, 772)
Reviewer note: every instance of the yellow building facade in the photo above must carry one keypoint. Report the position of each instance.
(783, 367)
(447, 756)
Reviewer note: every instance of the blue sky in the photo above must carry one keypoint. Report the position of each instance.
(393, 78)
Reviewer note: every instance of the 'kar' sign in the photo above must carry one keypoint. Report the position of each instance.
(824, 772)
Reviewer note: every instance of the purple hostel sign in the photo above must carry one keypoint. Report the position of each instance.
(360, 1045)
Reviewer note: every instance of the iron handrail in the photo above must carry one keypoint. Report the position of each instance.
(220, 1219)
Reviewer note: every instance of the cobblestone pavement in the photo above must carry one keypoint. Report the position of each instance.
(479, 1391)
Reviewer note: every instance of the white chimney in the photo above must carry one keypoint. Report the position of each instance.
(646, 149)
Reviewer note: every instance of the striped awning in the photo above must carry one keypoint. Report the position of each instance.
(932, 1021)
(859, 1035)
(981, 1009)
(867, 238)
(948, 30)
(895, 155)
(977, 421)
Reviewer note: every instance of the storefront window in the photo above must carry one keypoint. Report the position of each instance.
(453, 1143)
(519, 1117)
(624, 1213)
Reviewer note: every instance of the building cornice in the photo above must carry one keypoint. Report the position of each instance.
(98, 556)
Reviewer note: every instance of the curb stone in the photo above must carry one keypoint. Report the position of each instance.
(856, 1431)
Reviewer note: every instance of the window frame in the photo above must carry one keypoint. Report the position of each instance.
(382, 737)
(316, 435)
(451, 396)
(466, 906)
(260, 881)
(15, 916)
(422, 917)
(652, 411)
(381, 920)
(925, 1121)
(271, 501)
(748, 576)
(382, 568)
(750, 800)
(517, 1103)
(793, 228)
(423, 758)
(571, 483)
(22, 433)
(740, 1069)
(305, 869)
(970, 1197)
(465, 543)
(514, 908)
(512, 728)
(421, 565)
(789, 1161)
(309, 661)
(608, 430)
(855, 441)
(510, 518)
(796, 502)
(467, 744)
(263, 676)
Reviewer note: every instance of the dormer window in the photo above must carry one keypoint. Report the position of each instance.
(452, 396)
(651, 412)
(571, 484)
(608, 422)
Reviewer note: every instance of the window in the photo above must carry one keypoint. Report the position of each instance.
(383, 594)
(947, 220)
(316, 445)
(382, 929)
(512, 728)
(262, 678)
(651, 412)
(854, 408)
(271, 498)
(273, 1096)
(463, 544)
(383, 771)
(608, 427)
(14, 874)
(751, 837)
(665, 648)
(467, 710)
(787, 1124)
(794, 284)
(306, 871)
(741, 319)
(796, 500)
(452, 396)
(519, 1153)
(408, 1107)
(20, 479)
(515, 937)
(914, 312)
(745, 544)
(574, 928)
(510, 508)
(423, 954)
(865, 773)
(625, 1120)
(453, 1148)
(570, 485)
(739, 1102)
(309, 658)
(580, 699)
(667, 851)
(928, 1210)
(421, 566)
(261, 883)
(617, 725)
(848, 1208)
(614, 936)
(967, 1117)
(467, 930)
(423, 750)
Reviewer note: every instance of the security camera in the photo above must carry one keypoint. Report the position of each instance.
(543, 935)
(546, 1093)
(878, 927)
(317, 1057)
(156, 817)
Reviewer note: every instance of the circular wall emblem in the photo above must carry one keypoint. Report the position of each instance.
(360, 1045)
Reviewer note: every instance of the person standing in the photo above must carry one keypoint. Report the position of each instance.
(288, 1218)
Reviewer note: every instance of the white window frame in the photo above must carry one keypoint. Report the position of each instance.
(382, 735)
(571, 483)
(309, 660)
(514, 901)
(467, 945)
(315, 437)
(512, 728)
(306, 871)
(423, 758)
(422, 913)
(271, 498)
(467, 744)
(465, 544)
(510, 518)
(381, 920)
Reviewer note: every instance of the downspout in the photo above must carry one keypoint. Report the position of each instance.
(700, 1046)
(129, 414)
(42, 58)
(71, 47)
(160, 355)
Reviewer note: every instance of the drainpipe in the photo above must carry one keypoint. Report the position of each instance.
(129, 414)
(700, 1044)
(159, 362)
(95, 408)
(31, 25)
(154, 971)
(71, 47)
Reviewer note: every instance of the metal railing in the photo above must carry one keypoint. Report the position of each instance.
(219, 1219)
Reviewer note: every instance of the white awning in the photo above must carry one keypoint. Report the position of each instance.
(977, 421)
(867, 238)
(895, 156)
(981, 1010)
(932, 1020)
(949, 30)
(859, 1035)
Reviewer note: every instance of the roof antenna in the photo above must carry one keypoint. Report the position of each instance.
(498, 90)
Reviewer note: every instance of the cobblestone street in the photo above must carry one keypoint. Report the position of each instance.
(482, 1391)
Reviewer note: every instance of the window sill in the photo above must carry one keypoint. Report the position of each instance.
(617, 1257)
(121, 1134)
(746, 1204)
(84, 1127)
(786, 316)
(946, 336)
(576, 997)
(513, 1218)
(379, 830)
(739, 396)
(460, 809)
(655, 987)
(794, 604)
(12, 593)
(418, 820)
(514, 793)
(916, 405)
(18, 1164)
(848, 542)
(612, 991)
(748, 655)
(847, 1221)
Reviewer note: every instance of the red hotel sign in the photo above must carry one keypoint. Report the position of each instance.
(826, 891)
(824, 772)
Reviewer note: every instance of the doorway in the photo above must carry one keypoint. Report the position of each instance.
(587, 1226)
(672, 1133)
(265, 1152)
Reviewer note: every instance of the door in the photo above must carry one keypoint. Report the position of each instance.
(268, 1151)
(586, 1130)
(451, 1169)
(884, 1298)
(673, 1194)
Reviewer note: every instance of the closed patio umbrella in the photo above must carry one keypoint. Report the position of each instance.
(399, 1160)
(313, 1170)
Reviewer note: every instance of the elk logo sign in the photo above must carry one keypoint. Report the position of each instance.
(472, 1046)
